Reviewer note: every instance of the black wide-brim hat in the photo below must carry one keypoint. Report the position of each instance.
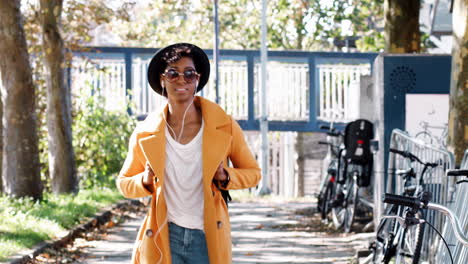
(158, 65)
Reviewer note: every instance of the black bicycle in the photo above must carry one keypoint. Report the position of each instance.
(398, 242)
(354, 170)
(415, 204)
(327, 185)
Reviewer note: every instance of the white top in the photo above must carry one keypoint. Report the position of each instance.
(183, 186)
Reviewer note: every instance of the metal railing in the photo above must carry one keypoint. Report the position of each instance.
(435, 180)
(282, 172)
(105, 78)
(459, 206)
(339, 85)
(303, 87)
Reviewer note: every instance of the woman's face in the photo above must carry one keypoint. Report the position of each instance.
(180, 88)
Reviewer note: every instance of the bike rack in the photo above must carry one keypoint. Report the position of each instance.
(460, 208)
(435, 180)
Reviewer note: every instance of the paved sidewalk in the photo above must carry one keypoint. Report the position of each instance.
(117, 246)
(262, 233)
(257, 238)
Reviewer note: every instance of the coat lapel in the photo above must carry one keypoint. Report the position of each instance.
(215, 141)
(154, 150)
(215, 148)
(154, 145)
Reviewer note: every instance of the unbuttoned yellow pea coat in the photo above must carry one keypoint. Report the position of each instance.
(223, 140)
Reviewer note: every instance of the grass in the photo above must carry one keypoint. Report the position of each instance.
(25, 222)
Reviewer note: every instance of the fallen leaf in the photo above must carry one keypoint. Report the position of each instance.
(260, 226)
(110, 224)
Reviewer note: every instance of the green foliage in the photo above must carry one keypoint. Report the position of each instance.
(25, 222)
(373, 42)
(367, 21)
(159, 23)
(100, 139)
(79, 19)
(292, 24)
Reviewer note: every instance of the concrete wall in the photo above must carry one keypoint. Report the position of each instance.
(310, 155)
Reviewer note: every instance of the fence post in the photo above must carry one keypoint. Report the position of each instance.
(128, 79)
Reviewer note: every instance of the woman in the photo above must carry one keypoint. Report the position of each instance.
(179, 156)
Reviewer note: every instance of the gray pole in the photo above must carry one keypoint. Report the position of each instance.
(264, 189)
(216, 50)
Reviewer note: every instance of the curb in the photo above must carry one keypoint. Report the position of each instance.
(102, 217)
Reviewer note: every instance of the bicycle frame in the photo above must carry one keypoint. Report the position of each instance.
(396, 237)
(454, 221)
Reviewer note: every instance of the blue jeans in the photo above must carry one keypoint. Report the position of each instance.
(188, 246)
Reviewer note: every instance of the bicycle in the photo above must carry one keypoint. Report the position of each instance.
(395, 241)
(428, 137)
(417, 204)
(354, 171)
(327, 185)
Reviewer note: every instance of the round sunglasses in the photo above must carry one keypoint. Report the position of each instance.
(172, 75)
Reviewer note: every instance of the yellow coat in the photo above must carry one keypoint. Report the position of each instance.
(222, 140)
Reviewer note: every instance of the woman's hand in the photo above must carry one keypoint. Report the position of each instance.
(148, 178)
(221, 175)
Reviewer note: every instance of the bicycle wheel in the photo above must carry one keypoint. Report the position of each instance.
(322, 197)
(338, 210)
(344, 204)
(425, 136)
(325, 201)
(384, 248)
(351, 203)
(410, 244)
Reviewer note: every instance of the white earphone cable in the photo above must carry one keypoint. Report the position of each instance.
(177, 137)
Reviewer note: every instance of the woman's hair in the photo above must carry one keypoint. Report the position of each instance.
(176, 53)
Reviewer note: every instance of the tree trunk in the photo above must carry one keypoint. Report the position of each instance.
(299, 147)
(62, 165)
(458, 114)
(402, 26)
(20, 170)
(1, 136)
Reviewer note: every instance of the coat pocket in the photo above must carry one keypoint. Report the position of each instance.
(148, 251)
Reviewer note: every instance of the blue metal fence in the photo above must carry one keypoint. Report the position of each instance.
(310, 61)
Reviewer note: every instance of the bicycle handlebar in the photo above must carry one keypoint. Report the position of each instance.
(412, 157)
(331, 131)
(328, 143)
(406, 154)
(402, 200)
(417, 203)
(334, 134)
(457, 172)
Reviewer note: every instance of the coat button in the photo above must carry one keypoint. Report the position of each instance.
(220, 224)
(149, 232)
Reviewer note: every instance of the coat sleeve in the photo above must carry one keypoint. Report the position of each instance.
(130, 179)
(245, 172)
